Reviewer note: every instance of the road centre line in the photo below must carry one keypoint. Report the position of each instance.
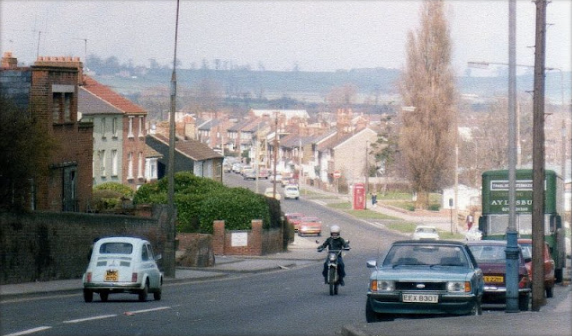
(147, 310)
(29, 331)
(90, 318)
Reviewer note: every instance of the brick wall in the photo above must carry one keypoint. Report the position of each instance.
(258, 241)
(44, 246)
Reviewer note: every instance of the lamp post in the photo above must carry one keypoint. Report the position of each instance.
(171, 168)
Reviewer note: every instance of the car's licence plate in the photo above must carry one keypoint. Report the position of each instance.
(426, 298)
(496, 279)
(112, 275)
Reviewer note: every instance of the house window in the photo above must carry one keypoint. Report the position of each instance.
(114, 127)
(67, 106)
(130, 129)
(56, 107)
(102, 163)
(62, 101)
(140, 165)
(141, 124)
(103, 128)
(114, 162)
(130, 166)
(93, 167)
(151, 169)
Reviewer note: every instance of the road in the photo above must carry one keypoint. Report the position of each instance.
(283, 302)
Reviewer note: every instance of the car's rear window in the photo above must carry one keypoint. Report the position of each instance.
(489, 253)
(116, 248)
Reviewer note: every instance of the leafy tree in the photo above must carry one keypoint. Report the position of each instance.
(428, 85)
(25, 150)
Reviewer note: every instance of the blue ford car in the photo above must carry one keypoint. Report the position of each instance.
(419, 277)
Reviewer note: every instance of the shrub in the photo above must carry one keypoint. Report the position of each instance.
(237, 207)
(106, 200)
(117, 187)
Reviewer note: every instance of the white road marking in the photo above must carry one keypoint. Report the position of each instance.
(147, 310)
(29, 331)
(90, 318)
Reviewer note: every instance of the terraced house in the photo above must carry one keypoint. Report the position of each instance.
(119, 151)
(48, 90)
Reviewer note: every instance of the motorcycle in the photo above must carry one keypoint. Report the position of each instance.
(332, 276)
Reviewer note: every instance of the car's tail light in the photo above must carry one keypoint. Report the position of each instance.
(524, 282)
(133, 277)
(88, 277)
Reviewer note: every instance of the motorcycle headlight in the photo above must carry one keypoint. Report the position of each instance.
(458, 286)
(382, 285)
(332, 256)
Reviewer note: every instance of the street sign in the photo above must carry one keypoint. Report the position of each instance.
(337, 174)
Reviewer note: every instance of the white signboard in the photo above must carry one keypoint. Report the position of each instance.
(239, 239)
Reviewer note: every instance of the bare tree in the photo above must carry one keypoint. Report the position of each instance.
(341, 96)
(428, 85)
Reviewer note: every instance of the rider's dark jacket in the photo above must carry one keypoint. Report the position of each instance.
(334, 244)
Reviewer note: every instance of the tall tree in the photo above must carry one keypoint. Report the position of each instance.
(427, 86)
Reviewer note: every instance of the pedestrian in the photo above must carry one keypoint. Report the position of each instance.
(469, 221)
(374, 198)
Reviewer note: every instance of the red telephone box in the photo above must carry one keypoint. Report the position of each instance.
(359, 196)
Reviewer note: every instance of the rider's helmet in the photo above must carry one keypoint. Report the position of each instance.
(335, 231)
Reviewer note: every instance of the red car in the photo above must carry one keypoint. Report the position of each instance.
(294, 218)
(549, 277)
(491, 258)
(310, 225)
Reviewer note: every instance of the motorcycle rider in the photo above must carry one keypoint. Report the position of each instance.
(334, 242)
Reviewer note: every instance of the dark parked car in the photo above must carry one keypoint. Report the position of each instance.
(491, 257)
(424, 277)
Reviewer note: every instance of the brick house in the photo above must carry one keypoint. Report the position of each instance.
(49, 91)
(130, 129)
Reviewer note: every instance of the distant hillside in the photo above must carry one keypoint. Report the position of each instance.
(315, 85)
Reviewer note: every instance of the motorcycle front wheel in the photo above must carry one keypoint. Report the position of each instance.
(332, 281)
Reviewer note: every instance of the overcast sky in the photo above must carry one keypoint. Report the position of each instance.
(314, 35)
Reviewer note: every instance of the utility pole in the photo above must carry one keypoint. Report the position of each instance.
(366, 172)
(538, 168)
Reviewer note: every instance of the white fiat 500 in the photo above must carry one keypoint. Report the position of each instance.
(122, 265)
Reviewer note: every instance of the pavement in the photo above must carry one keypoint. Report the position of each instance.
(554, 318)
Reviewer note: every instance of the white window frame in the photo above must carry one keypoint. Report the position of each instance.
(130, 166)
(130, 129)
(114, 162)
(103, 127)
(140, 165)
(114, 127)
(102, 160)
(141, 125)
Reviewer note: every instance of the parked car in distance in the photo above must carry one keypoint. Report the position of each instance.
(473, 234)
(310, 225)
(269, 192)
(548, 262)
(491, 257)
(236, 167)
(122, 264)
(425, 232)
(263, 173)
(291, 192)
(294, 218)
(275, 179)
(244, 168)
(288, 181)
(419, 277)
(249, 174)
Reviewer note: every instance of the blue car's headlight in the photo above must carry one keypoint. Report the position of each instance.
(382, 285)
(459, 286)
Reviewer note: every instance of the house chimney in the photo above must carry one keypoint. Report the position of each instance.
(8, 61)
